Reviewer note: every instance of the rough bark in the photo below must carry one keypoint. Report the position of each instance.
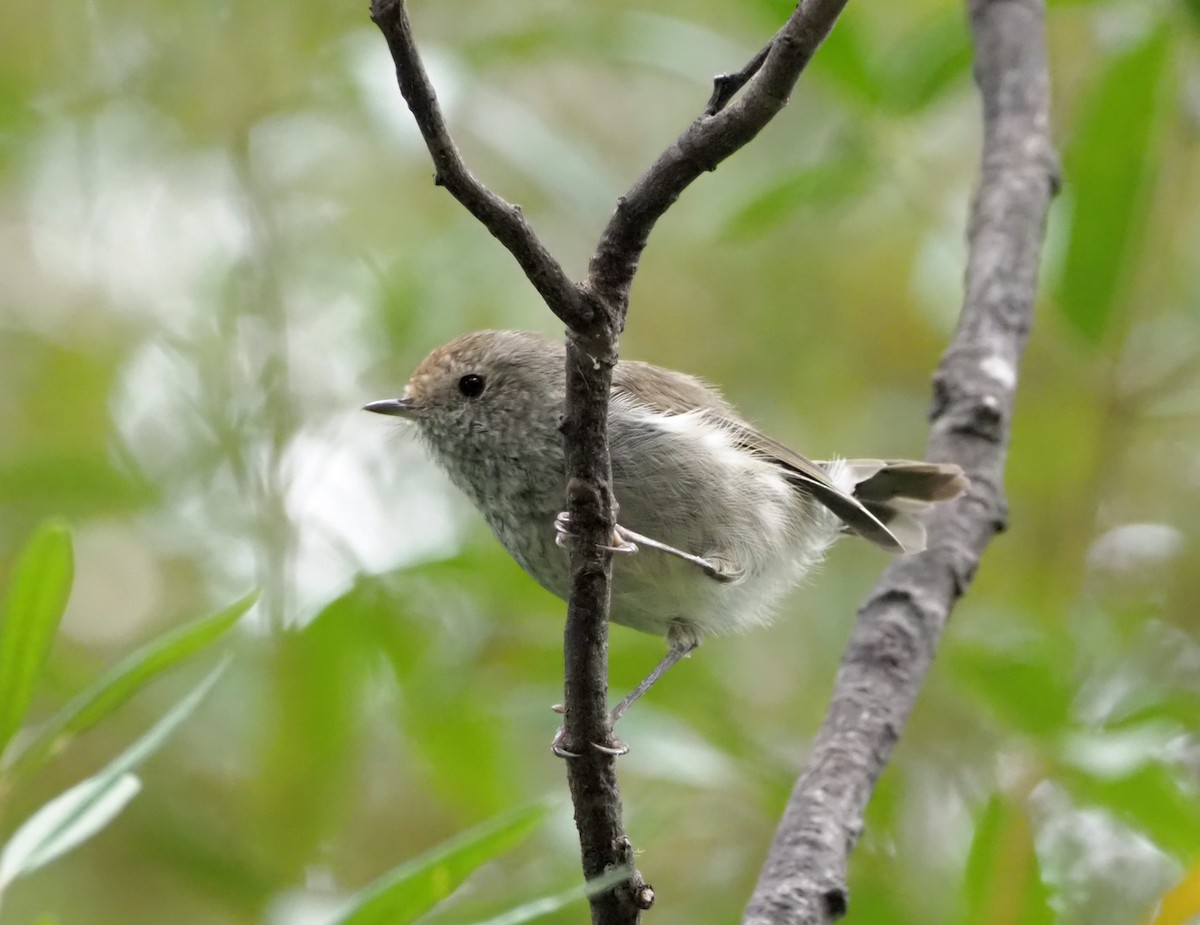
(900, 623)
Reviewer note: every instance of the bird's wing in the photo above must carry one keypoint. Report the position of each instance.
(811, 477)
(665, 390)
(676, 393)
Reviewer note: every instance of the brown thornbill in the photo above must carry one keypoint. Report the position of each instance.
(716, 520)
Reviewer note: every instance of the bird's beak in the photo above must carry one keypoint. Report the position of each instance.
(398, 407)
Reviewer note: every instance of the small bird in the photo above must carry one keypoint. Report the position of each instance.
(716, 521)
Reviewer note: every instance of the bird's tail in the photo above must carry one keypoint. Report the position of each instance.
(895, 490)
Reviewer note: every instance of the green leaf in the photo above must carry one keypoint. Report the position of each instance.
(67, 821)
(314, 721)
(898, 73)
(152, 741)
(40, 585)
(543, 906)
(1148, 799)
(1110, 171)
(1193, 9)
(846, 59)
(828, 183)
(927, 61)
(1024, 686)
(72, 483)
(74, 816)
(1003, 878)
(115, 687)
(416, 886)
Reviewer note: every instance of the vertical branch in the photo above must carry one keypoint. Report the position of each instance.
(592, 776)
(591, 354)
(899, 625)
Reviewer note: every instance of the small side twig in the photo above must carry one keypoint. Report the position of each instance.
(899, 625)
(704, 144)
(726, 86)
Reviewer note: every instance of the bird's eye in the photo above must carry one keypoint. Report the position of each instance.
(471, 385)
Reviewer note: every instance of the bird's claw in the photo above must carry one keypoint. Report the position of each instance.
(722, 571)
(614, 747)
(563, 536)
(558, 744)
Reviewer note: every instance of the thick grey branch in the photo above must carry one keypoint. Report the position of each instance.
(900, 623)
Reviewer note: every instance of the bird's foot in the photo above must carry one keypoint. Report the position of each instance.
(721, 570)
(619, 542)
(714, 566)
(614, 746)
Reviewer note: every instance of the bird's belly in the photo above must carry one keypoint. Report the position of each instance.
(656, 592)
(652, 591)
(530, 540)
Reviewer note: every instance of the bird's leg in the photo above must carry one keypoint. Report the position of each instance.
(679, 649)
(713, 567)
(627, 541)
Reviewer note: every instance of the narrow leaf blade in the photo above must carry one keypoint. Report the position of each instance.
(67, 821)
(114, 688)
(545, 905)
(1003, 877)
(74, 816)
(37, 597)
(153, 740)
(416, 886)
(1111, 167)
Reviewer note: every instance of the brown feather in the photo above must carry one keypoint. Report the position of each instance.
(677, 393)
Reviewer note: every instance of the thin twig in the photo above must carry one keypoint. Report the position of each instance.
(726, 86)
(900, 623)
(503, 219)
(702, 146)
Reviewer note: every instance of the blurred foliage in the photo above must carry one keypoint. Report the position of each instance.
(404, 895)
(40, 586)
(220, 239)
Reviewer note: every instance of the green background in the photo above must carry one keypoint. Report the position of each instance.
(220, 237)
